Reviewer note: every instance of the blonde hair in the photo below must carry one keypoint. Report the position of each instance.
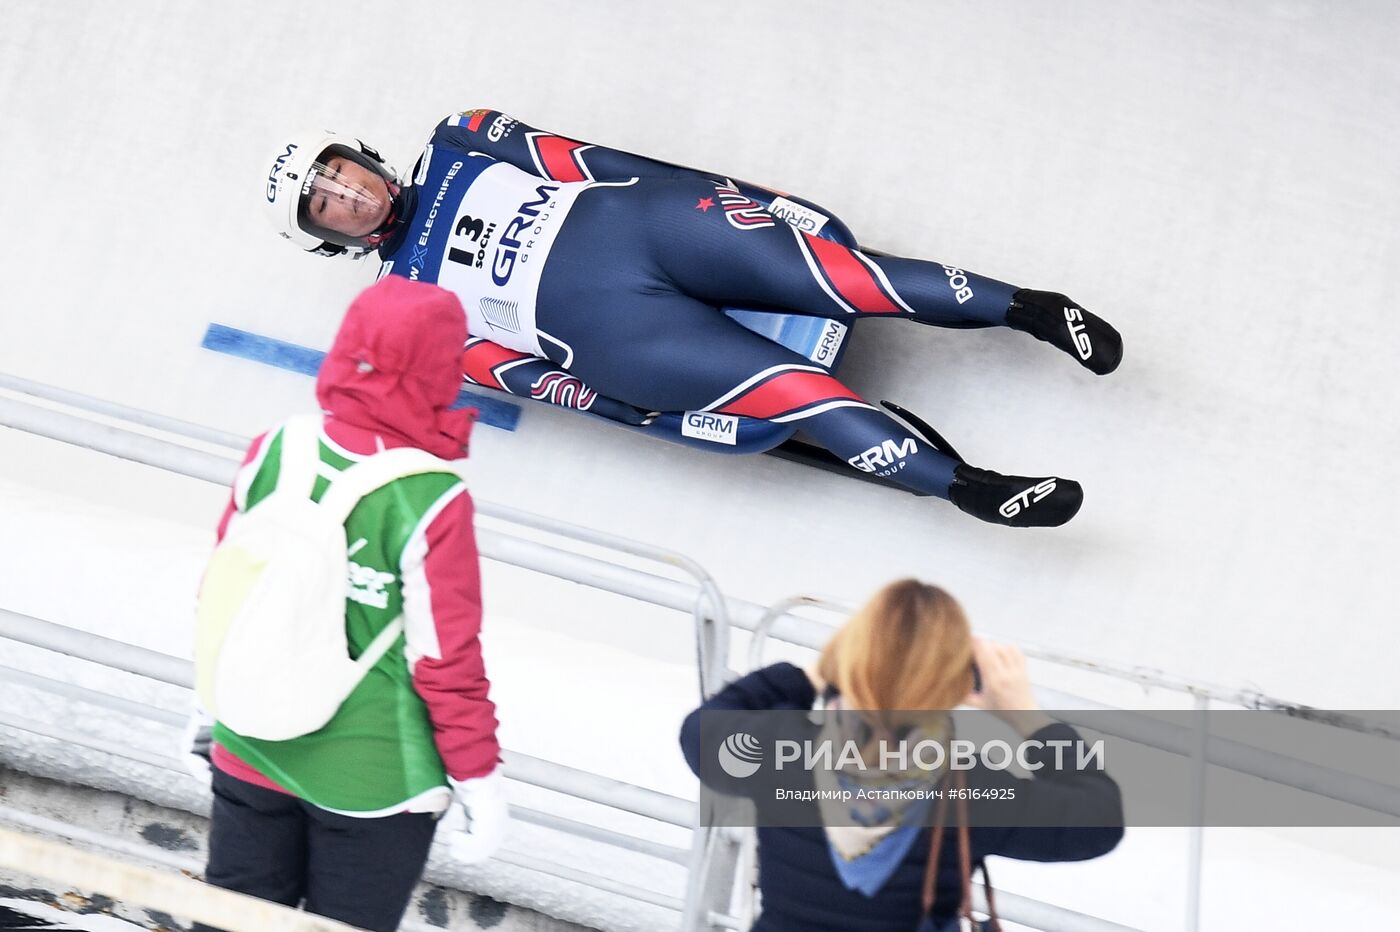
(909, 648)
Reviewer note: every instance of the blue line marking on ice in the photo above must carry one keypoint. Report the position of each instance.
(283, 355)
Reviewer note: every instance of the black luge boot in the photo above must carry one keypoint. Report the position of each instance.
(1015, 501)
(1054, 318)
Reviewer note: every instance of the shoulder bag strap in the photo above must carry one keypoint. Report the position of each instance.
(964, 861)
(361, 479)
(992, 919)
(935, 849)
(964, 853)
(379, 470)
(966, 866)
(301, 455)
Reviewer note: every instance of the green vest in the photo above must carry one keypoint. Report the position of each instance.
(377, 753)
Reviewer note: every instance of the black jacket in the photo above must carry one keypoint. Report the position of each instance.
(801, 889)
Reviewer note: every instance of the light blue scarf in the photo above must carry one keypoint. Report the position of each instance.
(869, 872)
(869, 838)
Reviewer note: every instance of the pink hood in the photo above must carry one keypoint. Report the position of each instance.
(394, 368)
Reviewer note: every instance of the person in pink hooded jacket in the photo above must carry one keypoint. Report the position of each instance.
(342, 818)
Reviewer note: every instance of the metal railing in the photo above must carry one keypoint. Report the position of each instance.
(714, 856)
(1203, 749)
(549, 775)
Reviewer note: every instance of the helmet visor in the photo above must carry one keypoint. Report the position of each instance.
(345, 197)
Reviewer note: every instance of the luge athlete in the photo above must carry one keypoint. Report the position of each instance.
(600, 275)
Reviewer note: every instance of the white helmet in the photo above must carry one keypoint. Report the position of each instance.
(292, 168)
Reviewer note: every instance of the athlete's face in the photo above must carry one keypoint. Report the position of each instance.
(348, 198)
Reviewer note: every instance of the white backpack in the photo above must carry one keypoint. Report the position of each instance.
(271, 656)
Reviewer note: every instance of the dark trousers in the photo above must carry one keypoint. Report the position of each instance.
(631, 294)
(279, 848)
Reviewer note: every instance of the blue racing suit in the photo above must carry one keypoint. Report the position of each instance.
(593, 278)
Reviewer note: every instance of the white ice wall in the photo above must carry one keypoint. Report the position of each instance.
(1218, 179)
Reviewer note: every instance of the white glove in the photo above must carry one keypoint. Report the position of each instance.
(483, 800)
(196, 746)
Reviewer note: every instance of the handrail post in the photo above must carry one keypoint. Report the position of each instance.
(1196, 833)
(712, 627)
(696, 874)
(709, 887)
(763, 630)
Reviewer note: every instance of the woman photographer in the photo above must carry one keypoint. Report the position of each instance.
(881, 867)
